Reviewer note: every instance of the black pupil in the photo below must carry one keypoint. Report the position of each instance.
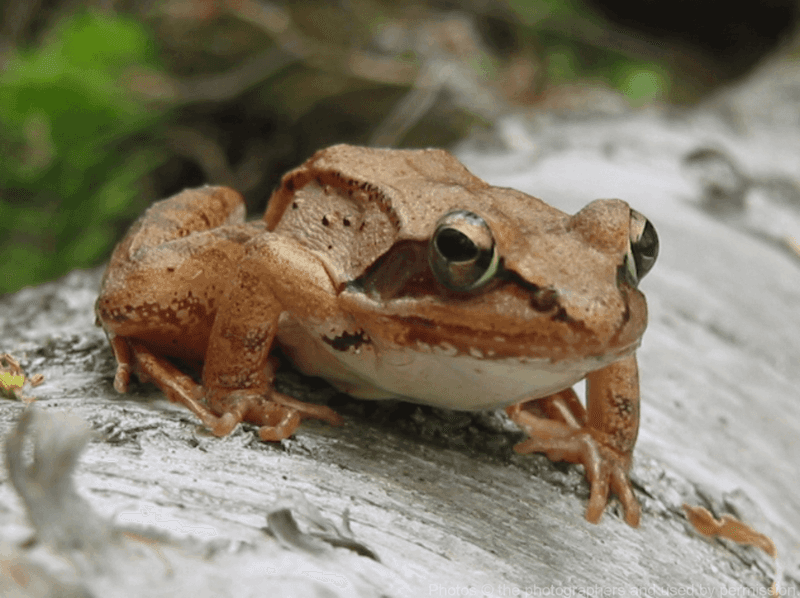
(647, 243)
(455, 246)
(645, 250)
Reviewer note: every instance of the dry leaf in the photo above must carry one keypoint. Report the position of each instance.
(728, 527)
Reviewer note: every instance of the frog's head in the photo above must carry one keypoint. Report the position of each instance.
(504, 272)
(436, 256)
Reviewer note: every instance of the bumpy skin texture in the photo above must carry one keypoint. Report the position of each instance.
(336, 274)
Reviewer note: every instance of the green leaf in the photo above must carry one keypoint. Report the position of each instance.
(75, 145)
(642, 83)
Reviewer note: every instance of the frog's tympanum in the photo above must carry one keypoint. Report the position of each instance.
(393, 274)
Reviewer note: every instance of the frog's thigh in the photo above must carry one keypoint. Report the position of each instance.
(189, 211)
(169, 289)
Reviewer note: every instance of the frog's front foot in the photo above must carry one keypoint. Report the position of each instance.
(606, 469)
(575, 442)
(277, 415)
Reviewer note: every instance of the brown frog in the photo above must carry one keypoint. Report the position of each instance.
(393, 274)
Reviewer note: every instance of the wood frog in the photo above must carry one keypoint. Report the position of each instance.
(393, 274)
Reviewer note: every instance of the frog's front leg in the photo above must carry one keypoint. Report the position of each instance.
(238, 374)
(600, 438)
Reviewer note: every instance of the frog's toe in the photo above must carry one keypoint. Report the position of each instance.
(122, 378)
(286, 424)
(570, 448)
(611, 477)
(606, 470)
(308, 410)
(281, 416)
(223, 425)
(621, 485)
(276, 414)
(597, 500)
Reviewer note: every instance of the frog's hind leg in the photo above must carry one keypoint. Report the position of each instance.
(166, 276)
(178, 388)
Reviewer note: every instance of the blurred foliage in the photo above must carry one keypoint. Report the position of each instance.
(252, 87)
(639, 80)
(73, 147)
(578, 46)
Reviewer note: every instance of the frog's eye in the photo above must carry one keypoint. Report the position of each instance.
(462, 253)
(642, 249)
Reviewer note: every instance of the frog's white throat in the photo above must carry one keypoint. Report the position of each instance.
(433, 375)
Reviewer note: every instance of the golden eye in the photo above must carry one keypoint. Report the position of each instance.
(462, 253)
(642, 248)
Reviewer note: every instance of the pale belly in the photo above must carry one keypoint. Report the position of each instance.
(431, 375)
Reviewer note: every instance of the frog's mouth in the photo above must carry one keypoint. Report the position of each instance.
(507, 322)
